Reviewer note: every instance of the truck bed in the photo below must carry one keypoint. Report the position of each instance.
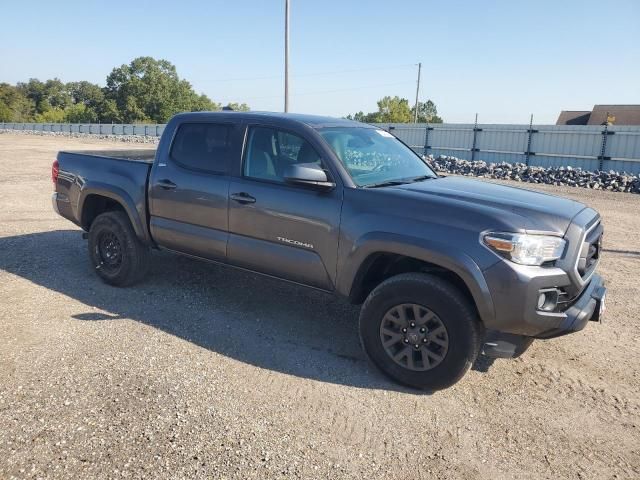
(123, 173)
(143, 155)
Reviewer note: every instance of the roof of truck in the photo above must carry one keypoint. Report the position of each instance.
(315, 121)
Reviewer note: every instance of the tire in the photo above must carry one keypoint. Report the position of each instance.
(452, 335)
(115, 252)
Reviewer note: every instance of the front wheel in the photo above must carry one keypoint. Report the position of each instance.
(116, 254)
(420, 330)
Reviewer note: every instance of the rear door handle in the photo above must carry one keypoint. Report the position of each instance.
(166, 184)
(242, 197)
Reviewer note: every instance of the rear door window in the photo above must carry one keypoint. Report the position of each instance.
(204, 147)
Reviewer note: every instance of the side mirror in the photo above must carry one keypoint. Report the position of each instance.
(309, 175)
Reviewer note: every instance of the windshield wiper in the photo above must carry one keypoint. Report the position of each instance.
(421, 178)
(402, 181)
(388, 183)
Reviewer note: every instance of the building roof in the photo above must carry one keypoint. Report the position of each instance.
(601, 114)
(624, 114)
(573, 117)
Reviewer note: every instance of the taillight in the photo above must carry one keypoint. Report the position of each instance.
(55, 170)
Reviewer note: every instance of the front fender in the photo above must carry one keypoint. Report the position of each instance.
(423, 249)
(135, 211)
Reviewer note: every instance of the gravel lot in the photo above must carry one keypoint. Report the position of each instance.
(207, 372)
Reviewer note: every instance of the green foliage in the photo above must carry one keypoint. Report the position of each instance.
(427, 112)
(80, 113)
(393, 110)
(87, 93)
(53, 115)
(149, 90)
(361, 117)
(238, 107)
(146, 90)
(396, 110)
(108, 112)
(14, 105)
(6, 115)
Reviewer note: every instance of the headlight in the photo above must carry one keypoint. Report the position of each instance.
(525, 249)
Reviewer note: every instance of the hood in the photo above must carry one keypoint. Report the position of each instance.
(540, 211)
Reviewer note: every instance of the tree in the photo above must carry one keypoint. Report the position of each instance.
(14, 105)
(108, 112)
(362, 117)
(57, 93)
(80, 113)
(237, 107)
(87, 102)
(150, 90)
(53, 115)
(145, 90)
(34, 90)
(46, 95)
(393, 110)
(396, 110)
(6, 115)
(427, 112)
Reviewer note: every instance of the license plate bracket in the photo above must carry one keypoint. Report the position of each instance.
(601, 305)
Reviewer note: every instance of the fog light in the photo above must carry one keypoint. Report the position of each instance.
(548, 300)
(542, 300)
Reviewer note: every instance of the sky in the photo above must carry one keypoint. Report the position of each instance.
(503, 60)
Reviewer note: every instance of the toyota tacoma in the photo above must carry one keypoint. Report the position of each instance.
(446, 268)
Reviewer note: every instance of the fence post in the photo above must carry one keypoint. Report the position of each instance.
(530, 132)
(603, 149)
(475, 136)
(427, 147)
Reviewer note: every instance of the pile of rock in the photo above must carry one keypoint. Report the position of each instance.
(93, 136)
(519, 172)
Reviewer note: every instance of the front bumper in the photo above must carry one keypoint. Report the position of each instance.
(587, 307)
(515, 290)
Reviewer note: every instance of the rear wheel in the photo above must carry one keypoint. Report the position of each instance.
(116, 254)
(420, 330)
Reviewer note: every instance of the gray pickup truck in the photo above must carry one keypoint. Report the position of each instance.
(446, 268)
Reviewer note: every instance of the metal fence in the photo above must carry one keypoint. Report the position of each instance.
(153, 130)
(590, 147)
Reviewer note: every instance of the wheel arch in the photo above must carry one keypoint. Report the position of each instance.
(97, 198)
(381, 256)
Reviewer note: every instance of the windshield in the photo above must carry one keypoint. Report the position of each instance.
(375, 157)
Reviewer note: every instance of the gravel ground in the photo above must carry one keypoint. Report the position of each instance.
(207, 372)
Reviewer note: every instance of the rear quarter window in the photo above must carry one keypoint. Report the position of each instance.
(202, 146)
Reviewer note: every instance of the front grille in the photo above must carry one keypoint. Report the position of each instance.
(590, 251)
(583, 250)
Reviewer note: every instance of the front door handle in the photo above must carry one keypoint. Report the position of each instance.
(242, 197)
(166, 184)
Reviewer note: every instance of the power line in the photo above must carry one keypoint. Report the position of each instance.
(331, 91)
(317, 74)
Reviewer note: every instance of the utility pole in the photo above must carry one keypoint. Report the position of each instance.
(286, 55)
(415, 117)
